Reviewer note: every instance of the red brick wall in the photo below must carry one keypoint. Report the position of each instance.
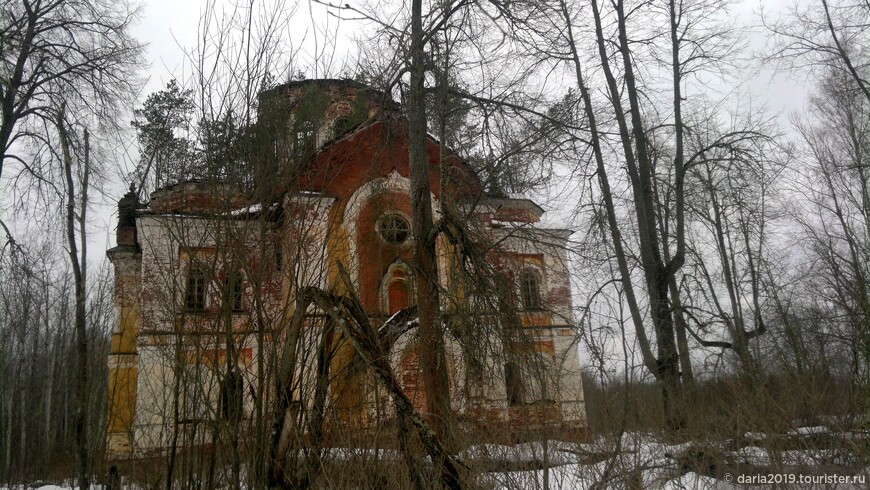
(375, 151)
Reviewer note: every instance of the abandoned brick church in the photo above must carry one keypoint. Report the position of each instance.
(207, 277)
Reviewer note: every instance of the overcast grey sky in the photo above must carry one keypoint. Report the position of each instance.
(169, 26)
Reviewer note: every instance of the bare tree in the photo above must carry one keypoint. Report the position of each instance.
(432, 358)
(733, 211)
(76, 221)
(648, 59)
(836, 185)
(78, 48)
(54, 51)
(831, 39)
(825, 36)
(39, 349)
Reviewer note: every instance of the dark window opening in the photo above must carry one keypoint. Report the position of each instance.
(513, 384)
(394, 228)
(530, 291)
(505, 291)
(235, 292)
(194, 399)
(232, 391)
(195, 293)
(340, 126)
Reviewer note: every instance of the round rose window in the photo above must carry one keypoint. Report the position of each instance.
(394, 228)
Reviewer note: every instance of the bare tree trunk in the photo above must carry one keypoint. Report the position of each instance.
(679, 197)
(22, 438)
(276, 473)
(313, 463)
(682, 340)
(7, 458)
(654, 267)
(22, 441)
(432, 358)
(49, 387)
(79, 274)
(411, 462)
(664, 365)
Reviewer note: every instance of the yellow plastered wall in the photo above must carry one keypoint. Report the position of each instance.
(123, 361)
(337, 247)
(348, 393)
(124, 341)
(536, 319)
(122, 393)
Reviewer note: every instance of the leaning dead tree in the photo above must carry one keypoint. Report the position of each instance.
(347, 315)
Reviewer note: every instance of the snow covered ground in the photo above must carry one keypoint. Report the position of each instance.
(643, 461)
(637, 460)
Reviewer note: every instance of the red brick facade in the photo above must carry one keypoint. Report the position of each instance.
(348, 205)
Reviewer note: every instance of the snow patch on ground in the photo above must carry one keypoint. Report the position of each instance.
(755, 436)
(808, 458)
(349, 453)
(753, 455)
(694, 481)
(566, 477)
(808, 431)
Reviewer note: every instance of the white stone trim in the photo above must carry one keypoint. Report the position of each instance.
(394, 182)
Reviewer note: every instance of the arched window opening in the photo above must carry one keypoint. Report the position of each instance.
(196, 385)
(507, 291)
(530, 290)
(528, 379)
(536, 377)
(397, 288)
(195, 291)
(475, 378)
